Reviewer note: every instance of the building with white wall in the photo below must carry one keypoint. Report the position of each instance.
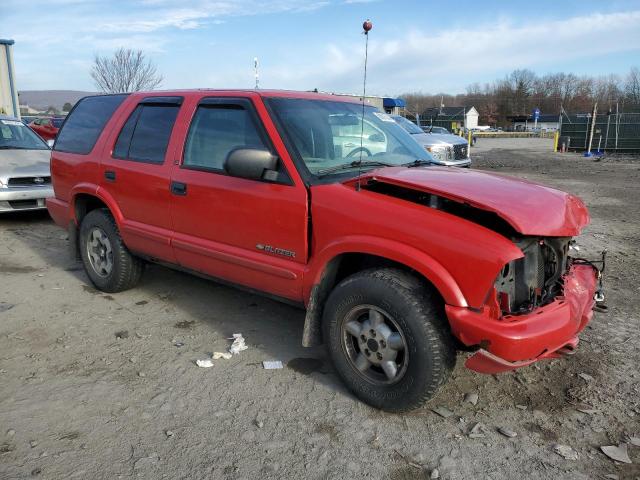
(8, 89)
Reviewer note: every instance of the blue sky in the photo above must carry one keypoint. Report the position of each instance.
(429, 46)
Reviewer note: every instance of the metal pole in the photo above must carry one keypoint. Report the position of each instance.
(593, 127)
(255, 67)
(606, 135)
(617, 125)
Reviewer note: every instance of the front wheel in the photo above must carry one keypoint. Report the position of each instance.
(388, 338)
(107, 261)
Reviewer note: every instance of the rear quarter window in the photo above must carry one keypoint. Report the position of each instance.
(86, 121)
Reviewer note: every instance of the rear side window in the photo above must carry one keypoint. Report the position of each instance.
(85, 123)
(145, 136)
(215, 131)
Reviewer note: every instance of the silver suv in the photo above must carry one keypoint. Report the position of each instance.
(445, 148)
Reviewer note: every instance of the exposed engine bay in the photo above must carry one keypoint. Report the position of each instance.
(536, 278)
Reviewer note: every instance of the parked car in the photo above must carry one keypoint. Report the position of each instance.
(47, 128)
(25, 180)
(396, 261)
(446, 149)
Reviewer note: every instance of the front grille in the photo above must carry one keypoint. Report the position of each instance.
(460, 151)
(28, 181)
(19, 204)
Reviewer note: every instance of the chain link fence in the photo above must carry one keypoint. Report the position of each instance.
(612, 133)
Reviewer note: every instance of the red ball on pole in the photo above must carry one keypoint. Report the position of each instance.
(367, 25)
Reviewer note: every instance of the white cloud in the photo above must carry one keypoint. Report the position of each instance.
(204, 12)
(448, 60)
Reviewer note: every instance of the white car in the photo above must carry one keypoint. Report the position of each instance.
(25, 178)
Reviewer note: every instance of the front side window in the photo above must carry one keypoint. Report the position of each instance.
(86, 122)
(215, 131)
(146, 133)
(334, 137)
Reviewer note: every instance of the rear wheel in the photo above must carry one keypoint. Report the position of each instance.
(107, 261)
(388, 338)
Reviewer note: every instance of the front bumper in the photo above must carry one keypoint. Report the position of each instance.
(24, 198)
(516, 341)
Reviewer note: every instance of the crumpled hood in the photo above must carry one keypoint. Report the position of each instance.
(530, 208)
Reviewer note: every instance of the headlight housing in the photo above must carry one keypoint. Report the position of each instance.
(442, 152)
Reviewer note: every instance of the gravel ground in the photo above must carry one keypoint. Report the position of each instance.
(97, 386)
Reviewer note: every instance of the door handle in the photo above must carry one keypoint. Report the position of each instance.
(178, 188)
(109, 175)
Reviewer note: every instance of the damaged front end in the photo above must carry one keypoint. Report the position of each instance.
(536, 309)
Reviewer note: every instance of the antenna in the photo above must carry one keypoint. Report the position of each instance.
(255, 69)
(366, 26)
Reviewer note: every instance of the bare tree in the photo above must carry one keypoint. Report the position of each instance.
(632, 86)
(127, 70)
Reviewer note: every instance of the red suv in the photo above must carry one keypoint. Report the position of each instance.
(398, 263)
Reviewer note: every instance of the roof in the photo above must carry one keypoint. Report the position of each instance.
(249, 93)
(4, 41)
(450, 112)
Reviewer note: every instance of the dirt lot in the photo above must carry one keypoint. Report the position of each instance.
(95, 386)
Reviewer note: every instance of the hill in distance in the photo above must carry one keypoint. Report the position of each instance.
(42, 99)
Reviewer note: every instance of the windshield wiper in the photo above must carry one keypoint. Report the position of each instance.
(355, 164)
(418, 162)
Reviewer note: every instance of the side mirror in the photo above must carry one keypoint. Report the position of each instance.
(252, 163)
(50, 142)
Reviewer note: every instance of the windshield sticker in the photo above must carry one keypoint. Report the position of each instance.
(384, 117)
(12, 122)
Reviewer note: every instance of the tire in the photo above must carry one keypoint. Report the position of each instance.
(115, 271)
(413, 314)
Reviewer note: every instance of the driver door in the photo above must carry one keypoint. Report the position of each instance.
(249, 232)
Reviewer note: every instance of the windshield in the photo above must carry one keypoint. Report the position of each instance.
(438, 130)
(408, 125)
(330, 137)
(15, 134)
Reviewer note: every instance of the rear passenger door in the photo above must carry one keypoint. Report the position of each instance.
(250, 232)
(136, 172)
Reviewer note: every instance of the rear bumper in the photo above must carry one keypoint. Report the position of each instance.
(517, 341)
(24, 198)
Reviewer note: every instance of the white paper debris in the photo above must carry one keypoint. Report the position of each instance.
(619, 453)
(206, 363)
(218, 355)
(566, 452)
(272, 364)
(471, 398)
(442, 411)
(238, 344)
(586, 377)
(634, 441)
